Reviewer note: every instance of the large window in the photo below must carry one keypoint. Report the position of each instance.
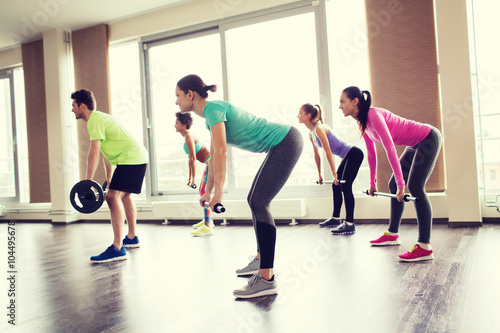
(268, 63)
(349, 66)
(273, 79)
(486, 75)
(126, 91)
(167, 62)
(14, 184)
(270, 69)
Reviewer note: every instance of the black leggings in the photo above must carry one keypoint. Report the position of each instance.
(347, 170)
(417, 164)
(269, 180)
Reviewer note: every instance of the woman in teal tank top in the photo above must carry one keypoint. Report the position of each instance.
(196, 151)
(230, 125)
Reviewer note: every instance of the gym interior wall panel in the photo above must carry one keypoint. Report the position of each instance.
(91, 63)
(36, 121)
(404, 71)
(10, 57)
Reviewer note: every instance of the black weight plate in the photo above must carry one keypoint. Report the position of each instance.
(86, 196)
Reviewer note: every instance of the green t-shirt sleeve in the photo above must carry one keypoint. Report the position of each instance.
(214, 114)
(96, 128)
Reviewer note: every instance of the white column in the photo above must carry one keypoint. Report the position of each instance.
(63, 150)
(462, 186)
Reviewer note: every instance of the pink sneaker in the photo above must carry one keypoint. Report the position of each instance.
(386, 239)
(416, 254)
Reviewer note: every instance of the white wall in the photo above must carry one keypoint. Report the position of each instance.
(188, 14)
(10, 57)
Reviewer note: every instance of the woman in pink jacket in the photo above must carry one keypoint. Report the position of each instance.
(413, 167)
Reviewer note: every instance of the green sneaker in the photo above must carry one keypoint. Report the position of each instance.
(202, 222)
(203, 231)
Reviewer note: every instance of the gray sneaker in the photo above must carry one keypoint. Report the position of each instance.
(257, 286)
(250, 269)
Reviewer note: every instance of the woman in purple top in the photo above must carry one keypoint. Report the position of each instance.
(414, 166)
(322, 137)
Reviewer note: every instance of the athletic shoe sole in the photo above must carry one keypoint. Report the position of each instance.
(344, 233)
(108, 260)
(131, 246)
(197, 225)
(429, 257)
(247, 273)
(201, 235)
(386, 243)
(261, 293)
(334, 225)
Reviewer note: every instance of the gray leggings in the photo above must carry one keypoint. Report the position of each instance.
(269, 180)
(417, 164)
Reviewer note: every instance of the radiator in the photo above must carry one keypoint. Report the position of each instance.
(235, 209)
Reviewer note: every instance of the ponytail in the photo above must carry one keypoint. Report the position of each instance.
(212, 88)
(364, 105)
(315, 112)
(195, 83)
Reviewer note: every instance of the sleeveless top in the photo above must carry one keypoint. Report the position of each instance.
(337, 146)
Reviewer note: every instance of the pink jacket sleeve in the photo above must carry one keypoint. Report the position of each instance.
(372, 159)
(378, 123)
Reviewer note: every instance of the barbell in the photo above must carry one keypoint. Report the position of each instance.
(218, 208)
(87, 196)
(406, 197)
(330, 182)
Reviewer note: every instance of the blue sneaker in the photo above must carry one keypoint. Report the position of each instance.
(111, 254)
(131, 243)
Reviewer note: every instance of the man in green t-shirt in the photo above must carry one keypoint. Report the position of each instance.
(130, 158)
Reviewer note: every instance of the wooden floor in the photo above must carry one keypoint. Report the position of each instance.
(176, 283)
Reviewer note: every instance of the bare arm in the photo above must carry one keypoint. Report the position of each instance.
(108, 169)
(93, 158)
(209, 186)
(192, 157)
(321, 133)
(317, 159)
(218, 159)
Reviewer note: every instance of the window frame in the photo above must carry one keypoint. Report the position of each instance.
(8, 73)
(149, 132)
(222, 25)
(480, 112)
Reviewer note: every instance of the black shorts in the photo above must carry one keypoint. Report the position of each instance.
(128, 178)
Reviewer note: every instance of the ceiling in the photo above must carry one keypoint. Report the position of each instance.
(26, 20)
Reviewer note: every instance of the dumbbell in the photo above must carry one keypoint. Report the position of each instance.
(218, 208)
(330, 182)
(87, 196)
(406, 197)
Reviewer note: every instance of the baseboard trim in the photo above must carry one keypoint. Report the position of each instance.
(462, 224)
(491, 219)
